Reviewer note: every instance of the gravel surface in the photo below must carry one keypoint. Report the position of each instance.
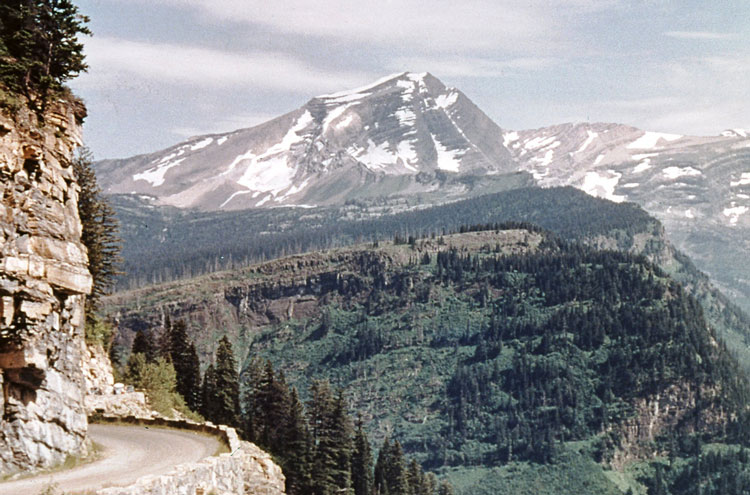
(128, 452)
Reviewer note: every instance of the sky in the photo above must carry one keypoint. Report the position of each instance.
(161, 71)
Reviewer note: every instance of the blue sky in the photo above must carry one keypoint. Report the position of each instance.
(161, 71)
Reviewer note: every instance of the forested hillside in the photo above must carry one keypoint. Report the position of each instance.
(488, 353)
(161, 244)
(164, 243)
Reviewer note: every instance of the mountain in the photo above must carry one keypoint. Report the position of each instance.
(409, 137)
(498, 357)
(698, 187)
(391, 136)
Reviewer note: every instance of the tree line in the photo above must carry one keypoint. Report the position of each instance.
(318, 446)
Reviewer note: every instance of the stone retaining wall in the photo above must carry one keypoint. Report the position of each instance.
(245, 469)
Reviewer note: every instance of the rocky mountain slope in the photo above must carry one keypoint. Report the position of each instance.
(44, 278)
(390, 136)
(408, 135)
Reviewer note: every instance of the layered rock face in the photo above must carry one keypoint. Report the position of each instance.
(43, 283)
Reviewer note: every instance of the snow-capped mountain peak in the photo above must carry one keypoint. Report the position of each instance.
(402, 125)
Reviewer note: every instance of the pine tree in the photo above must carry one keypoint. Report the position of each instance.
(208, 393)
(296, 455)
(362, 476)
(40, 47)
(252, 377)
(271, 408)
(382, 464)
(185, 360)
(99, 232)
(192, 380)
(226, 395)
(332, 440)
(143, 344)
(396, 474)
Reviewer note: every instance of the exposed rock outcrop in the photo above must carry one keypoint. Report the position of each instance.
(43, 282)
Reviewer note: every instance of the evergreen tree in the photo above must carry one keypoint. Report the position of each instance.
(332, 441)
(191, 380)
(99, 232)
(362, 476)
(208, 393)
(380, 478)
(296, 455)
(226, 395)
(271, 408)
(40, 47)
(252, 377)
(142, 344)
(185, 360)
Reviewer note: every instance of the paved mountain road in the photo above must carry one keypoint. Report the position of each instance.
(129, 452)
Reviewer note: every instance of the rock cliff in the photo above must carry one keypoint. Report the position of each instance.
(43, 283)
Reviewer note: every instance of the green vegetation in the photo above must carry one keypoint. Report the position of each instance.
(484, 359)
(40, 48)
(99, 233)
(163, 244)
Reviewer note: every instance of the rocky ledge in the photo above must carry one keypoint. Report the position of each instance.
(43, 283)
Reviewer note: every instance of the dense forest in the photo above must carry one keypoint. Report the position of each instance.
(163, 243)
(481, 357)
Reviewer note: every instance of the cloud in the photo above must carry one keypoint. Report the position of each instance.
(113, 60)
(427, 25)
(699, 35)
(472, 67)
(224, 124)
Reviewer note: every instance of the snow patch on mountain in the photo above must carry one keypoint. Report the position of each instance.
(444, 101)
(334, 114)
(155, 175)
(406, 116)
(201, 144)
(734, 212)
(541, 142)
(744, 180)
(590, 139)
(359, 92)
(676, 172)
(602, 184)
(510, 138)
(649, 140)
(446, 159)
(643, 166)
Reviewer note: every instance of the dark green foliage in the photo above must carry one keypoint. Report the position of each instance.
(193, 242)
(39, 47)
(362, 477)
(513, 357)
(185, 360)
(332, 441)
(716, 470)
(225, 408)
(99, 232)
(208, 393)
(296, 455)
(143, 344)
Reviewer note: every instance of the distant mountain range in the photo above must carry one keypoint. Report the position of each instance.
(410, 135)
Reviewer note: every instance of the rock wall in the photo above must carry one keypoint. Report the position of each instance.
(245, 469)
(43, 283)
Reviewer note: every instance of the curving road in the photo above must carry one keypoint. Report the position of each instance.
(129, 452)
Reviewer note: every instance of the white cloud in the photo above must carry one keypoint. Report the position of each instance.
(224, 124)
(471, 67)
(437, 24)
(113, 60)
(699, 35)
